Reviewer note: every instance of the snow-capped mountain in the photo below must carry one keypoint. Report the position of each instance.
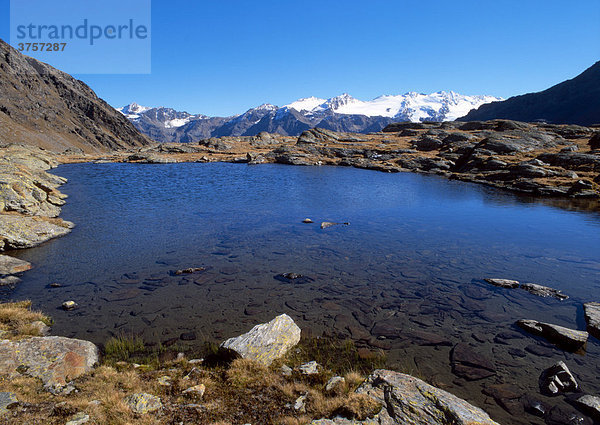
(133, 110)
(440, 106)
(340, 113)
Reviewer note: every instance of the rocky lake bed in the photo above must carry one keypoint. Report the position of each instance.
(382, 281)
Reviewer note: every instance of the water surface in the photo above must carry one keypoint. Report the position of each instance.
(411, 261)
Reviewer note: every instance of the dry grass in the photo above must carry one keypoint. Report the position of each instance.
(16, 319)
(242, 391)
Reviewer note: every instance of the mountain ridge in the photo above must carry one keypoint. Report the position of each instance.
(573, 101)
(339, 113)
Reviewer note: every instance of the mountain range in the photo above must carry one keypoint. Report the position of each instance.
(340, 113)
(575, 101)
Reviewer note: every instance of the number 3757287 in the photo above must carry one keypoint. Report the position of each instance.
(42, 47)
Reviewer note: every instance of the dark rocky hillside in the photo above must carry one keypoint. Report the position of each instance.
(575, 101)
(42, 106)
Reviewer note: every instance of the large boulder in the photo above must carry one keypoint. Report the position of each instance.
(55, 360)
(408, 400)
(266, 342)
(569, 339)
(592, 317)
(11, 265)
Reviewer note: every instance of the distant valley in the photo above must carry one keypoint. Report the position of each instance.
(341, 113)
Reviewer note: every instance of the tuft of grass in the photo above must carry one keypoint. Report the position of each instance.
(16, 319)
(338, 356)
(123, 348)
(244, 373)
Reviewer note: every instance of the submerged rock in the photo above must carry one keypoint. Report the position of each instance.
(408, 400)
(557, 379)
(190, 270)
(53, 359)
(569, 339)
(469, 364)
(592, 317)
(326, 224)
(9, 281)
(266, 342)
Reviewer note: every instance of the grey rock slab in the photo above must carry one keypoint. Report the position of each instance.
(592, 317)
(568, 339)
(408, 400)
(266, 342)
(503, 283)
(11, 265)
(18, 232)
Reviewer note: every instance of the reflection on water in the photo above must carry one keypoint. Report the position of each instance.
(405, 276)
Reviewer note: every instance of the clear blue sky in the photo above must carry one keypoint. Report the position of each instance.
(221, 58)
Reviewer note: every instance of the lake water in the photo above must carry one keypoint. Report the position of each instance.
(407, 269)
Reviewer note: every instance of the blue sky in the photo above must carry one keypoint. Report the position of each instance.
(221, 58)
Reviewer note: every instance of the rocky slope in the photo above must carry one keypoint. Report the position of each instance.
(575, 101)
(340, 113)
(42, 106)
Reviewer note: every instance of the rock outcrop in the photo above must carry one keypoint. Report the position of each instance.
(55, 360)
(29, 197)
(266, 342)
(408, 400)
